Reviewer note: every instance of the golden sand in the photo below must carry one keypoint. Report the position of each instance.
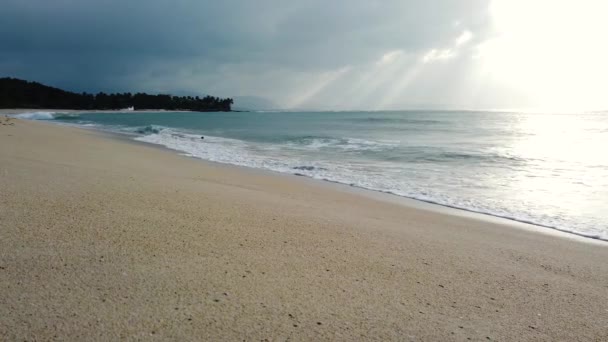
(103, 239)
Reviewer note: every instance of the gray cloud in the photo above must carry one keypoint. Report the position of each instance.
(297, 53)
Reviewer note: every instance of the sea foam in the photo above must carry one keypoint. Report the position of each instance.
(47, 116)
(35, 116)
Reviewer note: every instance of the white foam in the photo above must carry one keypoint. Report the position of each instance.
(35, 116)
(345, 144)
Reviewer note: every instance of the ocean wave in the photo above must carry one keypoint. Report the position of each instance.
(149, 129)
(442, 157)
(35, 116)
(308, 168)
(66, 116)
(395, 120)
(315, 143)
(47, 116)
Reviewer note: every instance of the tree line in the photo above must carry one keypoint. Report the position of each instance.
(16, 93)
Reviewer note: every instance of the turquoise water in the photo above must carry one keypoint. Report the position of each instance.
(549, 170)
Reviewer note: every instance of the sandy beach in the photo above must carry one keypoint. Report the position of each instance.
(104, 239)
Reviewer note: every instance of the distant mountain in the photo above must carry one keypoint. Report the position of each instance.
(16, 93)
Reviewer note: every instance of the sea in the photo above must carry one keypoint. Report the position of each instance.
(549, 170)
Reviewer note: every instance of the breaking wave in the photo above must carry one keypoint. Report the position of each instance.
(47, 116)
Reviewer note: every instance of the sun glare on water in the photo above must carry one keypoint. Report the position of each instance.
(552, 51)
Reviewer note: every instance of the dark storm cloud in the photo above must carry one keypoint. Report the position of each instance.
(234, 47)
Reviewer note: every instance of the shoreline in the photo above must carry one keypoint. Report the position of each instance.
(384, 195)
(389, 197)
(103, 239)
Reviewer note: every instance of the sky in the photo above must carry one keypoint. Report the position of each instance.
(313, 54)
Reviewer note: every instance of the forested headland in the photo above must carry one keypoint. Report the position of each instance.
(16, 93)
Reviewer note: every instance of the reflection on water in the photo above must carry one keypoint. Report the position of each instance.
(566, 161)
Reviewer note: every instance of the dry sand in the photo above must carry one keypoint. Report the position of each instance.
(102, 239)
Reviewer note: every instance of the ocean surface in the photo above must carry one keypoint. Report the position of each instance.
(550, 170)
